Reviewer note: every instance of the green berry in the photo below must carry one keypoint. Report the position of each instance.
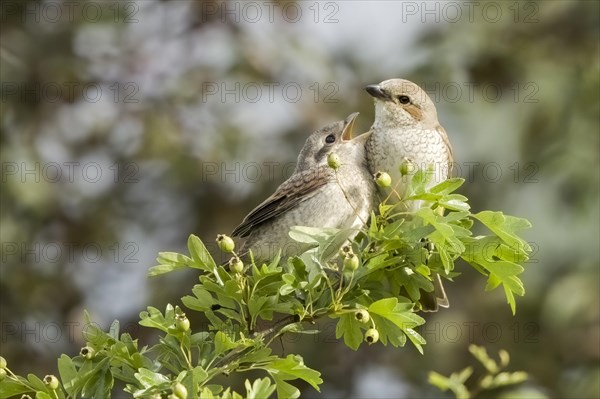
(345, 250)
(407, 167)
(333, 160)
(87, 352)
(2, 363)
(225, 243)
(371, 336)
(362, 315)
(2, 374)
(383, 179)
(351, 262)
(236, 265)
(51, 382)
(182, 322)
(179, 390)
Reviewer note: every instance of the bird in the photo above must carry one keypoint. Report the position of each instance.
(406, 129)
(315, 195)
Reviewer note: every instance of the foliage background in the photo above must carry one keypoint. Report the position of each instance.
(518, 93)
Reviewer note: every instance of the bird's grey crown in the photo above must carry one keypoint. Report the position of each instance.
(315, 149)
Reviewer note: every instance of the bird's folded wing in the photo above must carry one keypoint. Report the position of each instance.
(444, 136)
(299, 187)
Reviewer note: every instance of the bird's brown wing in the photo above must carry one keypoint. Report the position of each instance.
(299, 187)
(430, 301)
(444, 136)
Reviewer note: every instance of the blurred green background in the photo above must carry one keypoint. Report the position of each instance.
(126, 126)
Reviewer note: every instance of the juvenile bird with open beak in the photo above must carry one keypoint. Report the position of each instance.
(406, 129)
(315, 195)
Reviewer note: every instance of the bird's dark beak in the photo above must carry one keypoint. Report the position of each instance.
(377, 92)
(349, 126)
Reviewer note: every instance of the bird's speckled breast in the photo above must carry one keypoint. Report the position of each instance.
(387, 150)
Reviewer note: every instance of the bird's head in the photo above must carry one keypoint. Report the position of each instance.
(400, 102)
(323, 141)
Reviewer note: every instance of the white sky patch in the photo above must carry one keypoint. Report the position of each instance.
(380, 382)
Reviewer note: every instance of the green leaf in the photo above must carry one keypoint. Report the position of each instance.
(430, 197)
(200, 255)
(284, 389)
(322, 242)
(447, 186)
(286, 289)
(331, 246)
(155, 319)
(173, 258)
(199, 375)
(100, 383)
(373, 226)
(480, 353)
(113, 331)
(259, 389)
(151, 382)
(67, 372)
(505, 378)
(149, 378)
(307, 235)
(223, 343)
(412, 281)
(12, 388)
(486, 252)
(93, 334)
(401, 316)
(201, 301)
(505, 227)
(288, 278)
(439, 381)
(255, 304)
(457, 216)
(162, 269)
(349, 328)
(88, 373)
(233, 290)
(455, 382)
(258, 354)
(206, 393)
(393, 229)
(36, 383)
(223, 297)
(266, 274)
(169, 261)
(455, 202)
(419, 181)
(290, 368)
(505, 252)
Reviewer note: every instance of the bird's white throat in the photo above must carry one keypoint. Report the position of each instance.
(390, 116)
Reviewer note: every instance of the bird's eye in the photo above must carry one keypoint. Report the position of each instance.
(404, 99)
(330, 139)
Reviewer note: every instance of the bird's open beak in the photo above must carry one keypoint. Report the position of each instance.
(349, 126)
(377, 92)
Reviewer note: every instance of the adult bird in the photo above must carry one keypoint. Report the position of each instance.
(406, 129)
